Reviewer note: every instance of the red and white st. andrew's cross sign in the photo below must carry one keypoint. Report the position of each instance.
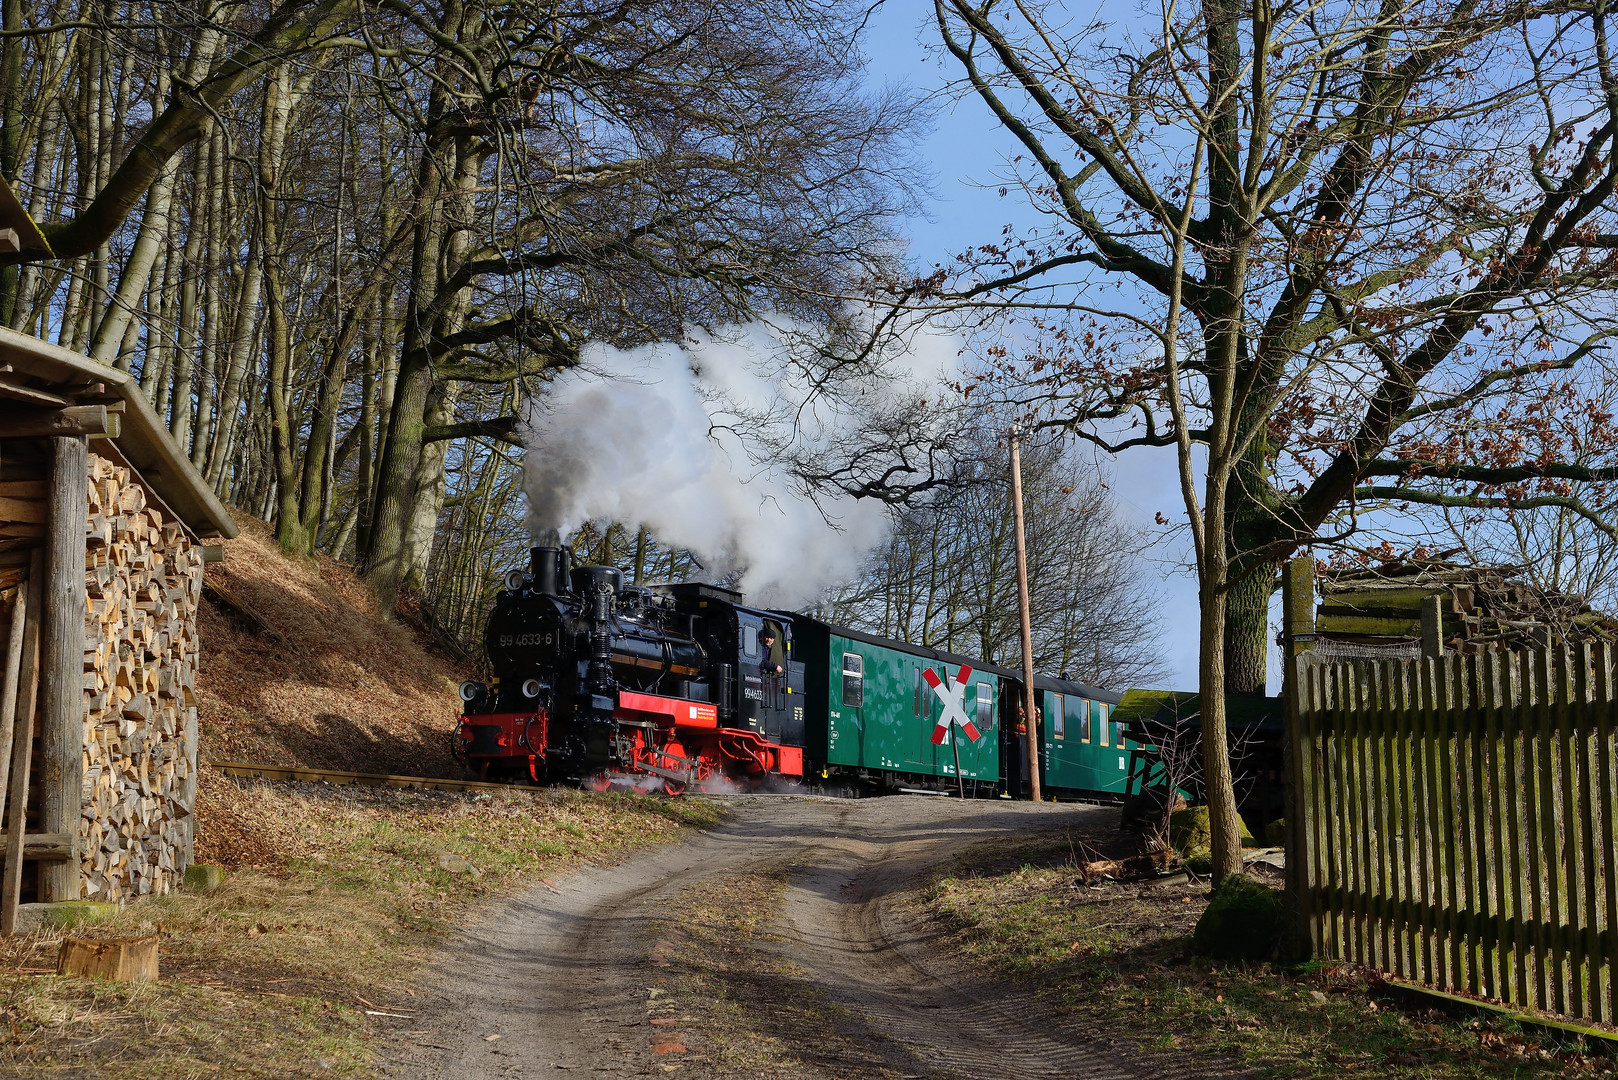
(952, 697)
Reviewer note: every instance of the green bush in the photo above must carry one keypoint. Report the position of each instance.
(1244, 921)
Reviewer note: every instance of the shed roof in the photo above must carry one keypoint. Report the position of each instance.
(143, 441)
(1182, 708)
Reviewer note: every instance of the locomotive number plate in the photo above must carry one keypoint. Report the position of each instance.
(512, 640)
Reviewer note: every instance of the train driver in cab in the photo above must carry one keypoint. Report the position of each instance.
(774, 662)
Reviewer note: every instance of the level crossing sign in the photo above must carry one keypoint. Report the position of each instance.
(952, 693)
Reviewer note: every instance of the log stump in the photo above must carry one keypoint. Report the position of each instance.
(122, 960)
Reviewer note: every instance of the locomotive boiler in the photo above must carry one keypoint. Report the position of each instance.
(594, 680)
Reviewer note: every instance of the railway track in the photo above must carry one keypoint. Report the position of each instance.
(247, 770)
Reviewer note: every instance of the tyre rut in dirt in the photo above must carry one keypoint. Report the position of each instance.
(563, 977)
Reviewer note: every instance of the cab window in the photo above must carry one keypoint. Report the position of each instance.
(853, 680)
(750, 641)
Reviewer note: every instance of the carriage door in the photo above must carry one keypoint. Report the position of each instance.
(921, 716)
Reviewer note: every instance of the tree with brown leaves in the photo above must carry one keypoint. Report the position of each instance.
(1308, 246)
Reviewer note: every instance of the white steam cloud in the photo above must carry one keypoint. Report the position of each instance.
(705, 444)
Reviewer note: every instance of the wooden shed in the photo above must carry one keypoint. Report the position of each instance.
(103, 530)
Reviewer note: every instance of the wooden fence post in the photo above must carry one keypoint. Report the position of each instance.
(1432, 626)
(61, 702)
(1297, 637)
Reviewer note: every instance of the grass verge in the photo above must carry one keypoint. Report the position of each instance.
(1117, 958)
(278, 973)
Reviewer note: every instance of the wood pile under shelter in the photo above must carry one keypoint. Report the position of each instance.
(103, 523)
(1436, 606)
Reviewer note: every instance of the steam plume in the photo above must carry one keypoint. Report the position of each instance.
(707, 443)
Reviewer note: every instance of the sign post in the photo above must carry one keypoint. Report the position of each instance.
(954, 715)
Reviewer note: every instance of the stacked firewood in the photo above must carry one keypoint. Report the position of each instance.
(144, 581)
(1480, 607)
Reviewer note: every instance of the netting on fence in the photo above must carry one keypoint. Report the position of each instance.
(1353, 650)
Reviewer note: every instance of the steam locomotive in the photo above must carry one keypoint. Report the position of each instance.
(684, 686)
(595, 679)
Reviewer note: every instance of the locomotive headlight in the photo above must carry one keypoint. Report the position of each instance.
(471, 690)
(515, 580)
(531, 688)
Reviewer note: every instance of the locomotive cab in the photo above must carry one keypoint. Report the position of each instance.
(758, 682)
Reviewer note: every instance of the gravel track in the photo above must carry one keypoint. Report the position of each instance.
(567, 977)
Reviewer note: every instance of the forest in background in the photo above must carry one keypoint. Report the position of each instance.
(344, 245)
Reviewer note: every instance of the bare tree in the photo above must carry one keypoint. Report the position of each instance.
(947, 577)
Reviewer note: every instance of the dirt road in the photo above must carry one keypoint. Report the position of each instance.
(840, 980)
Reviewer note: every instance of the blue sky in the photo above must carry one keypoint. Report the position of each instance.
(963, 152)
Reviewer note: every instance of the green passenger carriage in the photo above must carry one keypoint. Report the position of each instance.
(870, 714)
(1084, 748)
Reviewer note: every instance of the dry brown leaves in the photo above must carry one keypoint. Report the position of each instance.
(352, 691)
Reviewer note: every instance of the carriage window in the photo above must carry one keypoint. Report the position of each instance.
(1106, 728)
(985, 707)
(1058, 721)
(750, 640)
(1084, 721)
(853, 680)
(917, 701)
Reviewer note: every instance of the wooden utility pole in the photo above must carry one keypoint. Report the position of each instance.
(1029, 710)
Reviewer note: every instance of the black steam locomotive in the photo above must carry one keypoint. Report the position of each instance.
(595, 680)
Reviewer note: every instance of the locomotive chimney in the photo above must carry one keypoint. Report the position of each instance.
(549, 568)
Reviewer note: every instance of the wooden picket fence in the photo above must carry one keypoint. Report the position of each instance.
(1456, 821)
